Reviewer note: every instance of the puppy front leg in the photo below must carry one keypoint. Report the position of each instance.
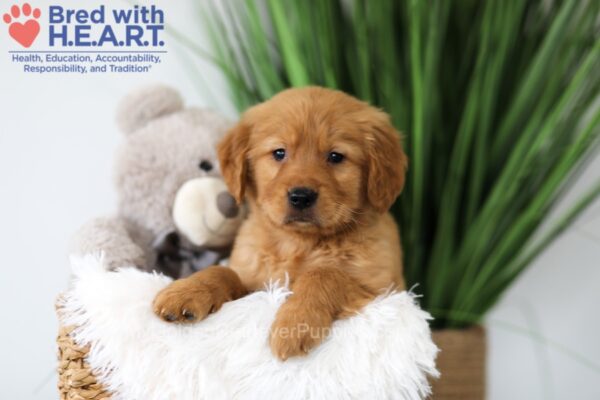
(320, 296)
(193, 298)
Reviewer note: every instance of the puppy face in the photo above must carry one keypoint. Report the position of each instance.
(314, 160)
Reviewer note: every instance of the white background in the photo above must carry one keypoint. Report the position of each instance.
(57, 140)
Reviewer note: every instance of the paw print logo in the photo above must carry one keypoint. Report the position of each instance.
(23, 32)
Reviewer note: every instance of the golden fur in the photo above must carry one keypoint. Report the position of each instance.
(338, 253)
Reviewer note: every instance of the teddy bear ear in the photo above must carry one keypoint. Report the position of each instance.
(145, 104)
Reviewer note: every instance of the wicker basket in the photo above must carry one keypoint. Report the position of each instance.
(75, 378)
(461, 363)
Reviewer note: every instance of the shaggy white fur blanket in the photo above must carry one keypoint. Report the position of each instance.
(385, 352)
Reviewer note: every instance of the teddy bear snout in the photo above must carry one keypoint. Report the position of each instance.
(205, 213)
(226, 205)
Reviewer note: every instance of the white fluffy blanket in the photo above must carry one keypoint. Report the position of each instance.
(385, 352)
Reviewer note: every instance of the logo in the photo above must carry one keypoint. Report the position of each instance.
(88, 40)
(23, 32)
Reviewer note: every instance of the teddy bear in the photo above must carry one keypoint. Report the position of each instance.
(175, 214)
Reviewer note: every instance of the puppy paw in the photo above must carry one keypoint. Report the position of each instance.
(296, 331)
(187, 301)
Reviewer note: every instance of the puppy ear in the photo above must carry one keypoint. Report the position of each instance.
(233, 151)
(387, 164)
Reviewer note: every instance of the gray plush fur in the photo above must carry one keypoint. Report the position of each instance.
(113, 237)
(163, 146)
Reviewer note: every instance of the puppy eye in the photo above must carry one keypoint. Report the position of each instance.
(279, 154)
(335, 158)
(205, 165)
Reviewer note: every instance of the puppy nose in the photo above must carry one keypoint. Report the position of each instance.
(302, 197)
(226, 205)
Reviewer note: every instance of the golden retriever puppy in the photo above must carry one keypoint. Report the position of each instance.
(319, 170)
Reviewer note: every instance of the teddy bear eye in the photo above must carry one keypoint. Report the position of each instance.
(279, 154)
(205, 165)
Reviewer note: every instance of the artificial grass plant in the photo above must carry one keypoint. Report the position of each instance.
(497, 101)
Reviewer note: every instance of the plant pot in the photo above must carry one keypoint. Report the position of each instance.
(461, 363)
